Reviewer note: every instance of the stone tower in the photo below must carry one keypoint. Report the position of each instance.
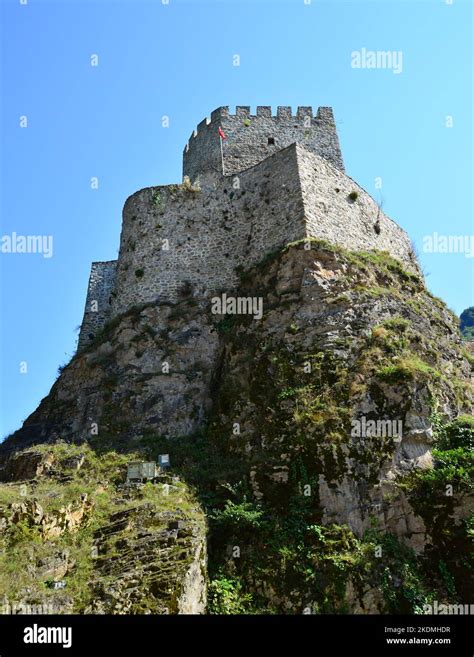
(251, 138)
(278, 179)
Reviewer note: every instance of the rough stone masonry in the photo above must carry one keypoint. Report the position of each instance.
(272, 180)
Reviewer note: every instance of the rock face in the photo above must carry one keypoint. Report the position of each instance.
(117, 548)
(154, 365)
(312, 436)
(165, 560)
(68, 518)
(27, 465)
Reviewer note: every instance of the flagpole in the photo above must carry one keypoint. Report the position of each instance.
(222, 155)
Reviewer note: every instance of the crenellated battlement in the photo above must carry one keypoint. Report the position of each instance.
(282, 111)
(265, 111)
(252, 137)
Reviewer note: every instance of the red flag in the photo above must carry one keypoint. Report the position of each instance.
(221, 133)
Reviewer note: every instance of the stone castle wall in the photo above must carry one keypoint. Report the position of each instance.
(355, 224)
(176, 240)
(98, 301)
(182, 239)
(248, 136)
(209, 232)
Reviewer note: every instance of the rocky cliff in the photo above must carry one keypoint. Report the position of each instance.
(76, 539)
(328, 443)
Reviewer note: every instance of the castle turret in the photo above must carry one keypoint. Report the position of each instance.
(252, 138)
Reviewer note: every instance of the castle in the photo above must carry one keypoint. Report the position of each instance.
(252, 183)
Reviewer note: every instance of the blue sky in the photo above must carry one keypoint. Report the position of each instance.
(176, 59)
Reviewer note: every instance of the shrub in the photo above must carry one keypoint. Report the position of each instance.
(459, 433)
(398, 324)
(453, 467)
(245, 514)
(226, 597)
(407, 368)
(156, 198)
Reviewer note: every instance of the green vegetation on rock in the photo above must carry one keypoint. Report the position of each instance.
(467, 323)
